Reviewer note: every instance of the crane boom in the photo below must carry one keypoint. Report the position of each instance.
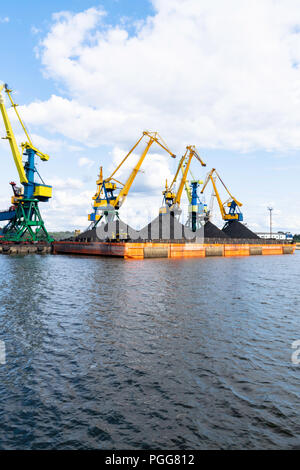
(188, 190)
(192, 153)
(210, 178)
(125, 158)
(12, 141)
(187, 187)
(153, 137)
(177, 171)
(26, 145)
(14, 105)
(124, 191)
(184, 177)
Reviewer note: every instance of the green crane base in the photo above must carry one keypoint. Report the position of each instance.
(27, 225)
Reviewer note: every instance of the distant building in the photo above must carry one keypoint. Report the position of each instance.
(276, 236)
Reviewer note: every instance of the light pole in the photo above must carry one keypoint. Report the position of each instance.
(270, 209)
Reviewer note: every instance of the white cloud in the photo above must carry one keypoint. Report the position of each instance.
(68, 183)
(218, 74)
(140, 206)
(85, 124)
(83, 161)
(4, 19)
(69, 208)
(215, 74)
(152, 174)
(43, 143)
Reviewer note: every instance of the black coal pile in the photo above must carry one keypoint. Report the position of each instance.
(235, 229)
(165, 227)
(116, 229)
(88, 235)
(109, 231)
(212, 231)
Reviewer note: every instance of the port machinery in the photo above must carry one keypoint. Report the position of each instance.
(106, 202)
(148, 244)
(172, 198)
(24, 220)
(230, 209)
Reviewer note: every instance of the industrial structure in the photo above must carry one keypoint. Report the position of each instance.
(230, 212)
(107, 234)
(106, 202)
(230, 209)
(172, 198)
(165, 236)
(24, 220)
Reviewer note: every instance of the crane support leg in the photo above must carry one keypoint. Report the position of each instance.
(27, 225)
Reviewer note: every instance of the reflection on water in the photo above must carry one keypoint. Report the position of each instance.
(164, 354)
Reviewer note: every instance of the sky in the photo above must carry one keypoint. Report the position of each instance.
(91, 76)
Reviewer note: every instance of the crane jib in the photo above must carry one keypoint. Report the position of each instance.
(12, 141)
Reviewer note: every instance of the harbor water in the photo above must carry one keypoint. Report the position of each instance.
(155, 354)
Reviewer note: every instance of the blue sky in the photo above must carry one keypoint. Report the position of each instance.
(91, 82)
(20, 40)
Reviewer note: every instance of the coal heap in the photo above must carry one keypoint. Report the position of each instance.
(116, 229)
(212, 231)
(89, 235)
(106, 231)
(235, 229)
(165, 227)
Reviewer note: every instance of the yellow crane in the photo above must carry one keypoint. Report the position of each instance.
(11, 138)
(172, 199)
(25, 220)
(232, 203)
(12, 141)
(105, 201)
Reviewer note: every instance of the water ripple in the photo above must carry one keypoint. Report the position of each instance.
(165, 354)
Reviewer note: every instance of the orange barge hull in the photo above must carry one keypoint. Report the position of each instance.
(169, 250)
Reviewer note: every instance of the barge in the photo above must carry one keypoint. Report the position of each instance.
(157, 241)
(171, 249)
(166, 237)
